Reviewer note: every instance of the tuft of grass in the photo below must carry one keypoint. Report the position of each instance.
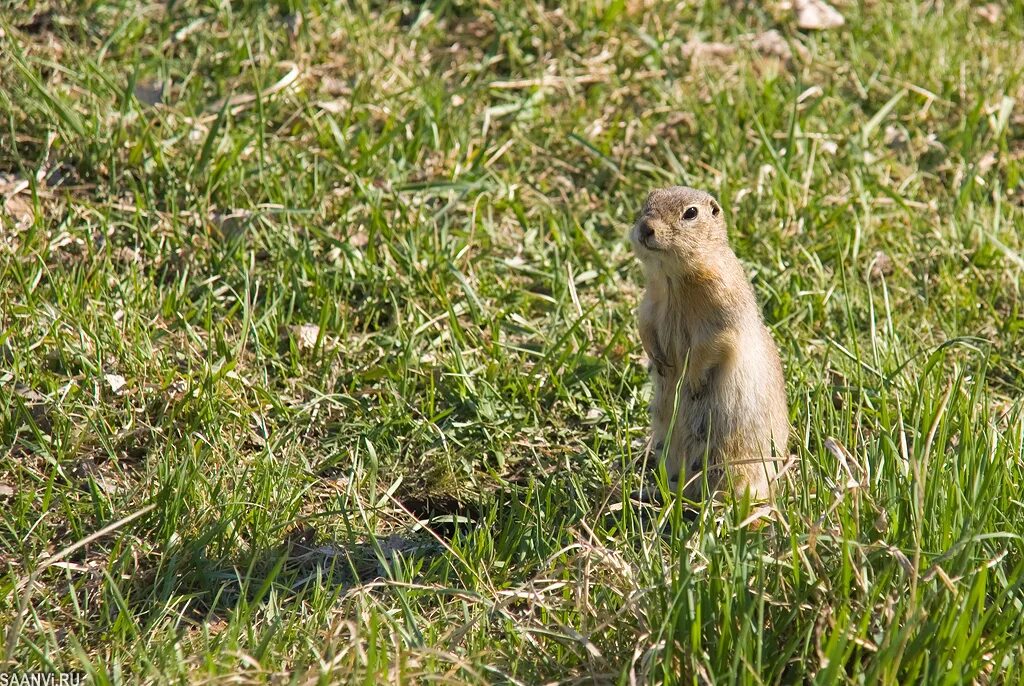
(318, 359)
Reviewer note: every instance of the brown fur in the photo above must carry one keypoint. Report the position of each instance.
(702, 329)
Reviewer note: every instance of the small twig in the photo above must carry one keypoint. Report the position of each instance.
(561, 81)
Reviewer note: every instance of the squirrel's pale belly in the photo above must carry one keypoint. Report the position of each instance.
(730, 421)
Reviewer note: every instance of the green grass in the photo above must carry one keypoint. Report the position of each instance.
(426, 482)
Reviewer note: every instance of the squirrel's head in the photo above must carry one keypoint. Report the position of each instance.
(676, 226)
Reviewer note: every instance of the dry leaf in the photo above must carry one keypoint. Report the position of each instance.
(126, 255)
(176, 390)
(335, 86)
(991, 12)
(238, 103)
(837, 401)
(359, 239)
(38, 408)
(773, 44)
(62, 174)
(987, 162)
(11, 185)
(19, 210)
(87, 468)
(116, 383)
(231, 223)
(187, 30)
(293, 22)
(306, 336)
(16, 205)
(216, 626)
(817, 15)
(680, 120)
(28, 394)
(334, 106)
(894, 137)
(1017, 195)
(6, 491)
(635, 8)
(881, 265)
(699, 51)
(882, 522)
(149, 92)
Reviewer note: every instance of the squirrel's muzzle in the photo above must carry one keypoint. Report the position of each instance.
(644, 232)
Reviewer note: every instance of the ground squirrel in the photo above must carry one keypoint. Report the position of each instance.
(709, 349)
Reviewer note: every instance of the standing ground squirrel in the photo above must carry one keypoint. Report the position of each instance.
(719, 395)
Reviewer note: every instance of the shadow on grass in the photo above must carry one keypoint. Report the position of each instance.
(305, 560)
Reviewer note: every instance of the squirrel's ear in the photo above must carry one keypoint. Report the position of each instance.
(715, 209)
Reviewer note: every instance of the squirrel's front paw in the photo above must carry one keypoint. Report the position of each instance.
(651, 494)
(654, 453)
(648, 495)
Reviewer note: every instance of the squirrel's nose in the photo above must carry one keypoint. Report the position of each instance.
(644, 230)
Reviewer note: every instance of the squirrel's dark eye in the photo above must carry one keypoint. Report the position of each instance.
(690, 213)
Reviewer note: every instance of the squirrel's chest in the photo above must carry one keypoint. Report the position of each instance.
(671, 329)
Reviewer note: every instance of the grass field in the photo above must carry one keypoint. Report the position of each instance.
(318, 357)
